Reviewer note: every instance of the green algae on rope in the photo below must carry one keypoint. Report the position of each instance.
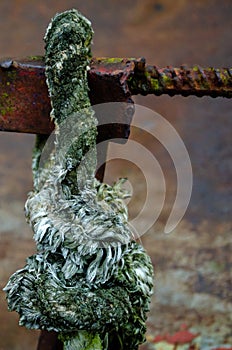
(89, 280)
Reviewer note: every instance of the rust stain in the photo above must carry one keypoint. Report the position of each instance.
(25, 104)
(24, 101)
(185, 81)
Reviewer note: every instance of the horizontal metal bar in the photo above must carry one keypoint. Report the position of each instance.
(25, 104)
(185, 81)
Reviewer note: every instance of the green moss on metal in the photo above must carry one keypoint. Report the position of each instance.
(6, 101)
(224, 76)
(6, 106)
(153, 83)
(111, 60)
(195, 68)
(36, 58)
(114, 60)
(166, 80)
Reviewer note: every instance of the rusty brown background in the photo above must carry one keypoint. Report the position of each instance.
(193, 264)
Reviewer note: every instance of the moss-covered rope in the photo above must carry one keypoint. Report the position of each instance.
(89, 280)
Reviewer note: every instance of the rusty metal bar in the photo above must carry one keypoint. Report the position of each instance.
(185, 81)
(25, 105)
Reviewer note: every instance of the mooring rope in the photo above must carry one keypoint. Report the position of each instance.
(89, 281)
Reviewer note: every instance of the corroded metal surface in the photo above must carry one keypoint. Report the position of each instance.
(185, 81)
(24, 101)
(25, 105)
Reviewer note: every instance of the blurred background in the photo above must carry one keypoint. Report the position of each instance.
(193, 281)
